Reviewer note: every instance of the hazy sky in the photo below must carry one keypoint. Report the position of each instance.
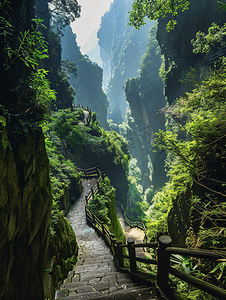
(92, 11)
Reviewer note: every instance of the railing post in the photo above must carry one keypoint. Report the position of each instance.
(112, 236)
(94, 220)
(113, 241)
(102, 174)
(119, 253)
(92, 191)
(98, 187)
(163, 261)
(132, 254)
(102, 227)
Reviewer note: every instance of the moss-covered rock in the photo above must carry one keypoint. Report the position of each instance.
(61, 255)
(25, 214)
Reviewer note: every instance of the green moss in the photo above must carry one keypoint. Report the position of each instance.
(103, 206)
(64, 244)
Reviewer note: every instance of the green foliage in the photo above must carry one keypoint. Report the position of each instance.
(161, 204)
(69, 67)
(100, 203)
(63, 13)
(62, 170)
(42, 94)
(148, 195)
(195, 145)
(215, 39)
(33, 46)
(63, 123)
(117, 145)
(137, 205)
(103, 206)
(155, 9)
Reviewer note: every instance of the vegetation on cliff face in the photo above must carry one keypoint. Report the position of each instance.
(91, 145)
(25, 202)
(191, 206)
(26, 96)
(145, 96)
(88, 83)
(103, 206)
(155, 10)
(121, 48)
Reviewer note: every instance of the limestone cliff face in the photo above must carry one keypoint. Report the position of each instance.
(121, 48)
(176, 45)
(177, 50)
(145, 96)
(25, 212)
(88, 83)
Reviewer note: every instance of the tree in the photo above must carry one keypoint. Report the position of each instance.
(63, 12)
(154, 9)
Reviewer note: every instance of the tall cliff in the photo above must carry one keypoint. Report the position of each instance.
(25, 213)
(59, 82)
(121, 48)
(145, 96)
(88, 83)
(179, 58)
(177, 48)
(27, 245)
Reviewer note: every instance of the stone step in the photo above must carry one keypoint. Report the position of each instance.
(125, 294)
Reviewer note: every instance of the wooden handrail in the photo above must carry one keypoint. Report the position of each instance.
(146, 245)
(200, 284)
(209, 254)
(164, 250)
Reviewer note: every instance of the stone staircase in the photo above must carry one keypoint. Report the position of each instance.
(95, 275)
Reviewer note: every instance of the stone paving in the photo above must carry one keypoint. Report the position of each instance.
(95, 275)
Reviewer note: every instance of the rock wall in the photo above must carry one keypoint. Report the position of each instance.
(179, 57)
(176, 45)
(88, 83)
(121, 48)
(25, 211)
(145, 96)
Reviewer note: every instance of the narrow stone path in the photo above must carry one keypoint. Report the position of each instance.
(95, 275)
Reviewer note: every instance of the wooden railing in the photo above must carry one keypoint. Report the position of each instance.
(89, 173)
(164, 251)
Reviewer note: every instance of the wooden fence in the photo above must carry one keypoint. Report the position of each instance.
(164, 251)
(89, 173)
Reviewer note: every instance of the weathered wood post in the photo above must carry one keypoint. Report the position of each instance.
(114, 246)
(94, 220)
(102, 173)
(163, 261)
(132, 254)
(98, 186)
(119, 253)
(102, 227)
(92, 192)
